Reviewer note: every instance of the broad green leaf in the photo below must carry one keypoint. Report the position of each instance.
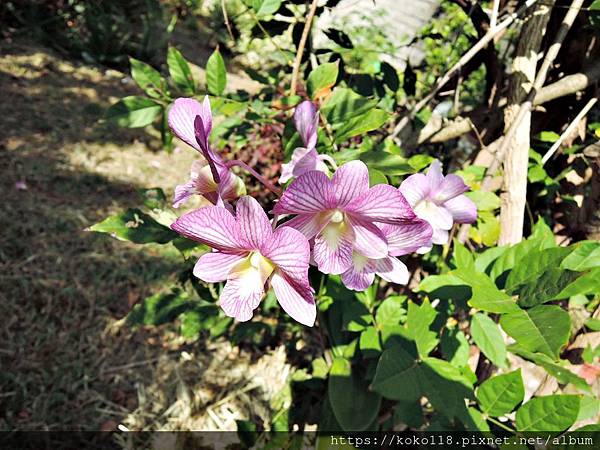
(356, 317)
(216, 73)
(484, 200)
(478, 421)
(148, 78)
(180, 71)
(587, 283)
(368, 121)
(548, 136)
(353, 405)
(589, 407)
(386, 163)
(532, 265)
(485, 260)
(418, 320)
(544, 328)
(160, 308)
(369, 344)
(264, 8)
(485, 295)
(499, 395)
(133, 112)
(549, 413)
(344, 104)
(487, 336)
(376, 177)
(397, 375)
(391, 311)
(321, 80)
(445, 287)
(463, 259)
(455, 347)
(409, 413)
(585, 256)
(135, 226)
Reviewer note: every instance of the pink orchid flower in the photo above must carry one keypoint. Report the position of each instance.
(248, 254)
(340, 214)
(192, 123)
(304, 159)
(402, 240)
(439, 200)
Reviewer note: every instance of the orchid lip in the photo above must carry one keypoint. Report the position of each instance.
(337, 217)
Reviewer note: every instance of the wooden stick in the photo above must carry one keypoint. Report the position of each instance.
(301, 45)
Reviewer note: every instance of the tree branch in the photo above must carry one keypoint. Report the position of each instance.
(301, 45)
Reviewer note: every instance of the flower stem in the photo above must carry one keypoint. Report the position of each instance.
(270, 186)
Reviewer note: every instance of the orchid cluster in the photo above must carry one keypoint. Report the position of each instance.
(338, 223)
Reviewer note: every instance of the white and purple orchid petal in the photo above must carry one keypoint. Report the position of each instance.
(440, 236)
(211, 225)
(462, 208)
(289, 250)
(215, 266)
(296, 299)
(310, 193)
(451, 187)
(435, 177)
(202, 140)
(381, 203)
(303, 160)
(254, 227)
(350, 181)
(333, 248)
(310, 224)
(437, 216)
(415, 188)
(183, 192)
(241, 296)
(368, 239)
(181, 118)
(407, 237)
(306, 120)
(231, 186)
(358, 279)
(391, 270)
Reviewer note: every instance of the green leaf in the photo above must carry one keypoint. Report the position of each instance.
(499, 395)
(386, 163)
(585, 256)
(486, 296)
(133, 112)
(455, 347)
(587, 283)
(322, 79)
(344, 104)
(589, 408)
(180, 71)
(397, 375)
(369, 343)
(485, 260)
(463, 259)
(445, 287)
(354, 407)
(549, 413)
(135, 226)
(544, 328)
(216, 73)
(418, 320)
(160, 308)
(487, 336)
(409, 413)
(148, 78)
(391, 311)
(356, 317)
(264, 8)
(368, 121)
(484, 200)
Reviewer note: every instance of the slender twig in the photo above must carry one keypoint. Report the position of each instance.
(301, 45)
(485, 40)
(270, 186)
(569, 129)
(226, 19)
(494, 17)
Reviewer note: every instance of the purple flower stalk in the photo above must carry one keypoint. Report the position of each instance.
(192, 123)
(439, 200)
(304, 159)
(341, 214)
(249, 255)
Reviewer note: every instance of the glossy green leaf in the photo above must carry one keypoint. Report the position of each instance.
(484, 200)
(216, 74)
(397, 375)
(322, 79)
(133, 112)
(386, 163)
(544, 328)
(487, 336)
(418, 320)
(587, 283)
(532, 265)
(369, 343)
(148, 78)
(135, 226)
(180, 71)
(368, 121)
(585, 256)
(455, 347)
(160, 308)
(391, 311)
(343, 105)
(264, 8)
(485, 295)
(356, 317)
(353, 405)
(463, 258)
(549, 413)
(499, 395)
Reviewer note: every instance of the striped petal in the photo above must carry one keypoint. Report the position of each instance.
(451, 187)
(181, 118)
(253, 223)
(215, 267)
(368, 239)
(241, 296)
(437, 216)
(350, 181)
(415, 188)
(435, 177)
(289, 250)
(310, 224)
(306, 120)
(359, 275)
(310, 193)
(333, 248)
(296, 299)
(462, 208)
(211, 225)
(182, 193)
(381, 203)
(407, 237)
(440, 236)
(391, 270)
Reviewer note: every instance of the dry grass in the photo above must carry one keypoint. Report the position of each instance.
(67, 360)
